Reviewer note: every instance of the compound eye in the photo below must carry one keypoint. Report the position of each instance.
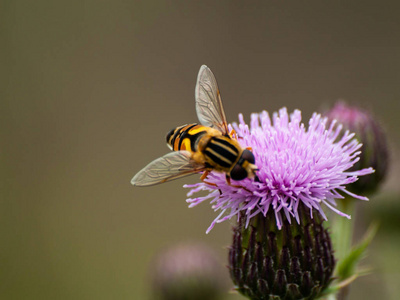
(238, 172)
(248, 155)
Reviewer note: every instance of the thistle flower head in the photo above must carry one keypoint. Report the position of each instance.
(297, 164)
(374, 150)
(296, 262)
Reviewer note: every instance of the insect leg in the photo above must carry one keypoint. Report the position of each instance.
(233, 134)
(205, 174)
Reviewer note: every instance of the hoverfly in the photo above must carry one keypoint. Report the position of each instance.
(201, 148)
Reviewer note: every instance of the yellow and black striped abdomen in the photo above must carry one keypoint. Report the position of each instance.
(222, 152)
(186, 137)
(208, 145)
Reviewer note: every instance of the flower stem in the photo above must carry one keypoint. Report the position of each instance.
(331, 297)
(343, 229)
(343, 234)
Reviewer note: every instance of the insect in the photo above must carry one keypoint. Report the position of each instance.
(201, 148)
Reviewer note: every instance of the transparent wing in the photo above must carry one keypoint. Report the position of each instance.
(208, 101)
(171, 166)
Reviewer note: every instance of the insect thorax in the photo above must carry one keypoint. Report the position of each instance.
(222, 152)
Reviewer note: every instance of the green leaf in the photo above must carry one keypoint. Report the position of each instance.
(347, 266)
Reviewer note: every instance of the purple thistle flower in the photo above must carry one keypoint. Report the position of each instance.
(296, 165)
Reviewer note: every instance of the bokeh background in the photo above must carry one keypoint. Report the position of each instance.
(88, 90)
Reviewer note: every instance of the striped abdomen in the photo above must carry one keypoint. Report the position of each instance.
(186, 137)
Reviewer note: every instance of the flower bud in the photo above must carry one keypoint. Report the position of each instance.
(295, 262)
(189, 271)
(374, 152)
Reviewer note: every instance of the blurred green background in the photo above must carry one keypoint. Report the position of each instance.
(88, 90)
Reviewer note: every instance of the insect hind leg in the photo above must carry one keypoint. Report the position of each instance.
(228, 181)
